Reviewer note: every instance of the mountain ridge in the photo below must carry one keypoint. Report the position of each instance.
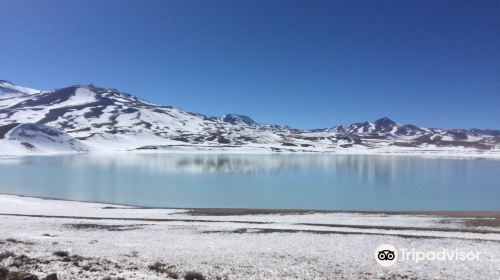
(108, 119)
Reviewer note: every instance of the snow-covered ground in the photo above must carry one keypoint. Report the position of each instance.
(115, 240)
(129, 143)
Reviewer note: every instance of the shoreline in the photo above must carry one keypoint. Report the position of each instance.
(458, 154)
(203, 211)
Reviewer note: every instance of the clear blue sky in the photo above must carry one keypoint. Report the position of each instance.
(308, 64)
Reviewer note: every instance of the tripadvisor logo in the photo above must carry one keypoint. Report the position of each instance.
(386, 255)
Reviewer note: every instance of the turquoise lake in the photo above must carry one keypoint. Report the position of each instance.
(311, 181)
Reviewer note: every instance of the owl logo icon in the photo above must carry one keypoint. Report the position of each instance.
(386, 255)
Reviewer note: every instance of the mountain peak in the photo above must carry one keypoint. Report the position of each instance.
(87, 86)
(384, 124)
(11, 88)
(5, 82)
(385, 120)
(238, 119)
(80, 88)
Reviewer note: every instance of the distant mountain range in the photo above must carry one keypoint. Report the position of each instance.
(90, 118)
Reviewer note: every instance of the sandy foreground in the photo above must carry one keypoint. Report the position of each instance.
(93, 241)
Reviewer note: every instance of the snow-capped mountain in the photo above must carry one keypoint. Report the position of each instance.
(86, 117)
(238, 120)
(7, 88)
(45, 139)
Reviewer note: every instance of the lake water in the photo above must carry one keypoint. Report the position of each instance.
(335, 182)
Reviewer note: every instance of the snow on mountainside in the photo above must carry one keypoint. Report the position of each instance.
(86, 117)
(9, 88)
(37, 138)
(238, 119)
